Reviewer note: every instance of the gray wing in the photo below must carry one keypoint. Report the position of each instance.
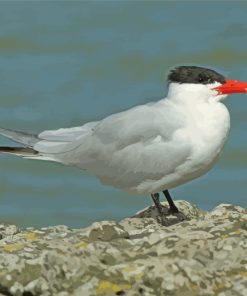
(19, 137)
(139, 124)
(51, 141)
(144, 142)
(63, 140)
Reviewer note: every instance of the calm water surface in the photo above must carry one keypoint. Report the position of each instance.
(65, 63)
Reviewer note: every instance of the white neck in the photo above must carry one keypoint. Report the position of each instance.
(201, 108)
(193, 93)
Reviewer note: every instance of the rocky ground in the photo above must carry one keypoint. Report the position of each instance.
(204, 255)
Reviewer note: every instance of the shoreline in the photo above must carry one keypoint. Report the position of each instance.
(204, 255)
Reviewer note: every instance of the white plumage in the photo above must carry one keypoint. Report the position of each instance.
(147, 148)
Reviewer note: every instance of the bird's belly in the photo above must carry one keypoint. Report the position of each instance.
(194, 167)
(205, 154)
(207, 145)
(146, 181)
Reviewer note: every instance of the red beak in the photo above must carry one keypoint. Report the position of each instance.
(232, 86)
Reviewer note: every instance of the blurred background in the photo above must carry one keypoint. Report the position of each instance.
(65, 63)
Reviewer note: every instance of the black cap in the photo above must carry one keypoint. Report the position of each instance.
(194, 74)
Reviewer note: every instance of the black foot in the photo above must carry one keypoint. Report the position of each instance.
(163, 221)
(159, 208)
(173, 209)
(178, 214)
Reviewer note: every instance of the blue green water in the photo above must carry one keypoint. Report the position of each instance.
(65, 63)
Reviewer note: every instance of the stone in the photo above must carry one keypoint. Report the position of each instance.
(202, 255)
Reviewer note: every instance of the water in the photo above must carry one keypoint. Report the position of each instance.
(65, 63)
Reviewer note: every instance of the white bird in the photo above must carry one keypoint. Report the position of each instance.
(148, 148)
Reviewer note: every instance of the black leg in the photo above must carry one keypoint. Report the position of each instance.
(173, 208)
(158, 205)
(156, 200)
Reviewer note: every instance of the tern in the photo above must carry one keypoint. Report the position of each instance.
(149, 148)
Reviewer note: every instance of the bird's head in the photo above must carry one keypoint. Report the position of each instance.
(202, 83)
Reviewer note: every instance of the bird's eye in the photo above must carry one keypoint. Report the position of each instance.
(204, 79)
(201, 79)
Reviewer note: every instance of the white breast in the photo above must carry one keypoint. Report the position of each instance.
(209, 136)
(208, 130)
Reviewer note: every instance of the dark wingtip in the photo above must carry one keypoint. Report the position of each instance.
(18, 150)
